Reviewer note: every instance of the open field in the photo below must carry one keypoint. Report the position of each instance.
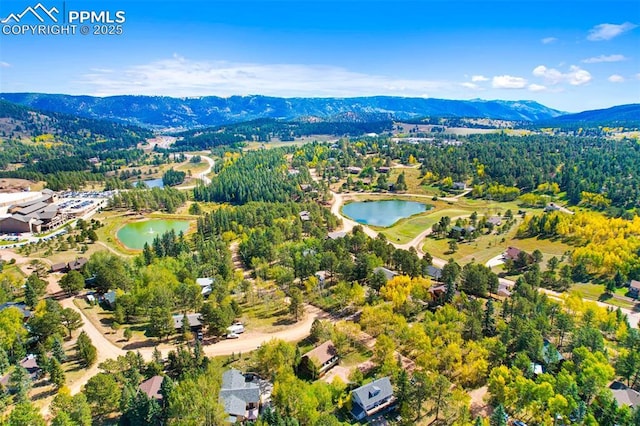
(596, 292)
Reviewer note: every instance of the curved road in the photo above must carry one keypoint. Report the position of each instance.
(202, 176)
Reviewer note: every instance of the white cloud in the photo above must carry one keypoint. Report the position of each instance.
(604, 58)
(181, 77)
(576, 75)
(616, 78)
(609, 31)
(476, 78)
(4, 64)
(537, 88)
(549, 40)
(468, 85)
(638, 76)
(508, 82)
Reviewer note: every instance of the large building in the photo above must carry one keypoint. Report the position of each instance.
(34, 216)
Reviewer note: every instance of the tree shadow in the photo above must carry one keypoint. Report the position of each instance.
(285, 321)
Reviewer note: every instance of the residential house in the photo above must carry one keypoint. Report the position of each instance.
(634, 288)
(462, 231)
(305, 187)
(625, 395)
(110, 299)
(388, 273)
(354, 170)
(152, 386)
(305, 216)
(30, 364)
(240, 396)
(59, 267)
(195, 323)
(434, 272)
(78, 264)
(318, 361)
(384, 169)
(21, 306)
(495, 221)
(371, 398)
(336, 235)
(512, 253)
(460, 186)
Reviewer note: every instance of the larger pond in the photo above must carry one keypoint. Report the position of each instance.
(382, 213)
(134, 235)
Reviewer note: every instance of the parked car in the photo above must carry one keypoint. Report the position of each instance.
(233, 336)
(519, 423)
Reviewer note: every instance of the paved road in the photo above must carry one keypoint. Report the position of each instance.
(202, 176)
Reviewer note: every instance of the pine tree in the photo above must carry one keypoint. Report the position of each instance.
(488, 321)
(56, 373)
(58, 350)
(499, 416)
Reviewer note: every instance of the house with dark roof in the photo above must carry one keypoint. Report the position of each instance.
(21, 306)
(624, 395)
(634, 288)
(240, 396)
(195, 323)
(388, 273)
(371, 398)
(318, 361)
(152, 386)
(59, 267)
(78, 264)
(30, 364)
(434, 272)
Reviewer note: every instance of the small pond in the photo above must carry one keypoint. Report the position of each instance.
(382, 213)
(134, 235)
(152, 183)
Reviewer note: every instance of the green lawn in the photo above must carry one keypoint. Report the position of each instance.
(596, 292)
(407, 229)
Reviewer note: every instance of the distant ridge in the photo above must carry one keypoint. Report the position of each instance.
(167, 112)
(622, 114)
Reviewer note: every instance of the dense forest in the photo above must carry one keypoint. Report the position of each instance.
(264, 130)
(256, 176)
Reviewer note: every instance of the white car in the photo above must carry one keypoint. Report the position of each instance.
(233, 336)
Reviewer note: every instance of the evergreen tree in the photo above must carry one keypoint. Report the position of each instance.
(56, 373)
(488, 320)
(57, 350)
(499, 416)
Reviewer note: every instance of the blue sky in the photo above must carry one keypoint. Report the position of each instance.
(569, 55)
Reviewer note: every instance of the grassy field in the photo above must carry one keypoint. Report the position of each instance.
(596, 292)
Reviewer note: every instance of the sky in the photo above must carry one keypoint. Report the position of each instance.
(570, 55)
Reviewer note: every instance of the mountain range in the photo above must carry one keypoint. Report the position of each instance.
(189, 113)
(166, 112)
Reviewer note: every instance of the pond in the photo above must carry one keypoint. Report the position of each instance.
(134, 235)
(152, 183)
(382, 213)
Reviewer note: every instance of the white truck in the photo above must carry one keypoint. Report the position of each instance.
(236, 329)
